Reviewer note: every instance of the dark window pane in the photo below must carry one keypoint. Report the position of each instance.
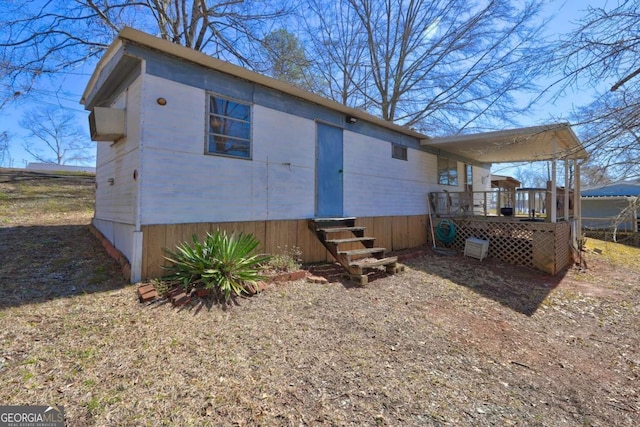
(229, 146)
(399, 152)
(224, 107)
(229, 127)
(447, 171)
(453, 177)
(443, 178)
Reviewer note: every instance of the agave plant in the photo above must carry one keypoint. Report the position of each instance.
(225, 264)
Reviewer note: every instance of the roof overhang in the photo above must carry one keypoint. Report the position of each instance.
(536, 143)
(504, 178)
(627, 198)
(130, 35)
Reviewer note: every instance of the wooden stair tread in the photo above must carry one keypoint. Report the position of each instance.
(340, 229)
(366, 257)
(362, 251)
(346, 218)
(351, 240)
(376, 263)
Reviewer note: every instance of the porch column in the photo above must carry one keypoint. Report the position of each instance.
(567, 187)
(554, 173)
(635, 215)
(577, 199)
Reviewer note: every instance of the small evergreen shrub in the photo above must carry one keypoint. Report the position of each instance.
(224, 264)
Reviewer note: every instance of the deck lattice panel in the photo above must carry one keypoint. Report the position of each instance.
(544, 246)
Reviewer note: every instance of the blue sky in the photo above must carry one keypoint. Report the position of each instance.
(65, 93)
(67, 90)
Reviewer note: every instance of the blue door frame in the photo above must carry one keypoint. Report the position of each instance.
(329, 158)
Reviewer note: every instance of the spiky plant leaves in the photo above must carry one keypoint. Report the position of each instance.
(221, 262)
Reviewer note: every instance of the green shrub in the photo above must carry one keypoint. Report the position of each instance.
(225, 264)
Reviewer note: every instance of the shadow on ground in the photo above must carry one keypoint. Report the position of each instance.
(518, 288)
(42, 263)
(521, 289)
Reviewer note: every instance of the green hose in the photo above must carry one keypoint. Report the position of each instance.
(446, 231)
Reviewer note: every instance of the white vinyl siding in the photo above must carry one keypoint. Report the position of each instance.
(118, 161)
(177, 126)
(377, 185)
(181, 185)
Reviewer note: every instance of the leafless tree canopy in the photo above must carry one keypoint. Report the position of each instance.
(39, 38)
(58, 133)
(441, 66)
(338, 47)
(603, 53)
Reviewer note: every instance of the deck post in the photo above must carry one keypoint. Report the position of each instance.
(577, 199)
(567, 189)
(554, 173)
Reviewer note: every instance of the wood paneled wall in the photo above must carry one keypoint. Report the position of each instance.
(392, 233)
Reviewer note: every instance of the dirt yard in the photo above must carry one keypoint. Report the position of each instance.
(449, 342)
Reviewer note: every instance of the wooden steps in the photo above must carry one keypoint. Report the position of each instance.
(331, 233)
(375, 252)
(354, 230)
(366, 241)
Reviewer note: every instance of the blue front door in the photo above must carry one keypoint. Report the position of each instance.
(329, 171)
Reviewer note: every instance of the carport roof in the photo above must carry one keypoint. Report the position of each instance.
(616, 189)
(533, 143)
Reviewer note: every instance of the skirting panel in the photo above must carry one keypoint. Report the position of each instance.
(392, 233)
(544, 246)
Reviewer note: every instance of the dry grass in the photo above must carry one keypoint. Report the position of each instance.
(615, 253)
(28, 198)
(451, 341)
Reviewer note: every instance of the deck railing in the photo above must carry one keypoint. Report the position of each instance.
(532, 203)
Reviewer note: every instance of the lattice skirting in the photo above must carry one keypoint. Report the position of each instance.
(544, 246)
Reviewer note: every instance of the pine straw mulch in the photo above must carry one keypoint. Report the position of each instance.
(450, 341)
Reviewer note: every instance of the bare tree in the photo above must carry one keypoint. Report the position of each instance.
(602, 48)
(602, 53)
(593, 174)
(50, 37)
(438, 65)
(610, 129)
(338, 46)
(55, 137)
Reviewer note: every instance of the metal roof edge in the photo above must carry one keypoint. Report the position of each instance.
(141, 38)
(109, 53)
(502, 133)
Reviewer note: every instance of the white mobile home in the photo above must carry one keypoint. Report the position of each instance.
(190, 143)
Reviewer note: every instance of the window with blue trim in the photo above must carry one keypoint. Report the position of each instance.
(229, 128)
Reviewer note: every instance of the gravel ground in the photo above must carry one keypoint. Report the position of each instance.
(450, 341)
